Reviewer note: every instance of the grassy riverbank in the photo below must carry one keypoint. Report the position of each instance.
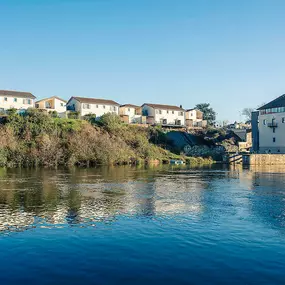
(34, 138)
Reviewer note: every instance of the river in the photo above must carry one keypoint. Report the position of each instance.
(148, 225)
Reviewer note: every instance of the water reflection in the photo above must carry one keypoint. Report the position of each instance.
(84, 197)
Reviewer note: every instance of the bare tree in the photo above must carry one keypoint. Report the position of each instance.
(247, 113)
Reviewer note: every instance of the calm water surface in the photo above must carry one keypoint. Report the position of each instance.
(142, 226)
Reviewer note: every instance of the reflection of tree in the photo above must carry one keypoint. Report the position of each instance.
(73, 204)
(267, 201)
(79, 196)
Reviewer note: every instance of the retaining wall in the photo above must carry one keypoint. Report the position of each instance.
(264, 159)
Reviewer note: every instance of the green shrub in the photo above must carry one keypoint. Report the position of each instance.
(73, 115)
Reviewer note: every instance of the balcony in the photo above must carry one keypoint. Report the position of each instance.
(272, 125)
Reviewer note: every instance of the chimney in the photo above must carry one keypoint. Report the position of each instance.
(181, 106)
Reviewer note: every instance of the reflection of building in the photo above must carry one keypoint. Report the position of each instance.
(15, 221)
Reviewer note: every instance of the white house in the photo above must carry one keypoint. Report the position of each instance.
(53, 104)
(86, 106)
(271, 127)
(16, 100)
(194, 118)
(166, 115)
(131, 114)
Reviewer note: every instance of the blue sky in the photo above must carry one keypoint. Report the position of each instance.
(230, 53)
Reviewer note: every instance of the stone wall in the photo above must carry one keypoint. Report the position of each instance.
(264, 159)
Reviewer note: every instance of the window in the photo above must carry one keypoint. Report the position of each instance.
(37, 105)
(167, 111)
(274, 140)
(61, 104)
(86, 106)
(104, 106)
(181, 113)
(97, 106)
(129, 109)
(172, 112)
(5, 99)
(27, 101)
(264, 122)
(283, 120)
(114, 108)
(160, 112)
(15, 99)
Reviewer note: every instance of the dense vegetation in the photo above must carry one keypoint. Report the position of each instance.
(35, 138)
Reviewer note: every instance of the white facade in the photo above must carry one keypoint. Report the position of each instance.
(16, 100)
(53, 104)
(272, 133)
(132, 112)
(193, 115)
(164, 114)
(98, 107)
(194, 118)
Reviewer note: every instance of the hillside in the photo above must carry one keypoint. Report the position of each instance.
(34, 138)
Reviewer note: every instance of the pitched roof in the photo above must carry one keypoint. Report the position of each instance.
(95, 101)
(17, 94)
(51, 98)
(278, 102)
(164, 107)
(188, 110)
(130, 105)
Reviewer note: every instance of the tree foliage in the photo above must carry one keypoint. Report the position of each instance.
(208, 112)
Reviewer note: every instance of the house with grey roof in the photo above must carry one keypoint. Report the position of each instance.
(268, 127)
(165, 115)
(16, 100)
(86, 106)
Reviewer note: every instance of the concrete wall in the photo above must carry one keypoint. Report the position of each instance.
(264, 159)
(20, 103)
(266, 134)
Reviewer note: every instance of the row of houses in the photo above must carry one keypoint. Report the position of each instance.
(148, 113)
